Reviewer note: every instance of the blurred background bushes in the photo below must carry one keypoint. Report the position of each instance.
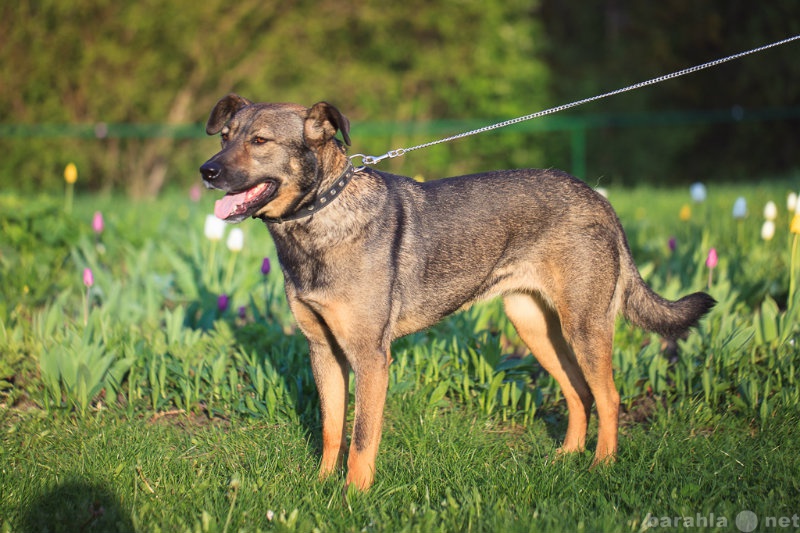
(123, 88)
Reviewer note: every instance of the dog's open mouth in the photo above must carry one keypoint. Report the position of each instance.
(241, 204)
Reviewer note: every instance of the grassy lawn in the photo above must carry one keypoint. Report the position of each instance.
(439, 470)
(148, 402)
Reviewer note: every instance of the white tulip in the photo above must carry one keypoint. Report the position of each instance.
(740, 208)
(791, 201)
(698, 192)
(768, 230)
(235, 240)
(214, 228)
(770, 211)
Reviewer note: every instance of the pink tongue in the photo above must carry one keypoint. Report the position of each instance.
(229, 204)
(226, 206)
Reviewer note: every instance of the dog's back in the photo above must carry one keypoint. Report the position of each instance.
(535, 231)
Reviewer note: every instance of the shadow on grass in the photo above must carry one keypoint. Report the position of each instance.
(75, 506)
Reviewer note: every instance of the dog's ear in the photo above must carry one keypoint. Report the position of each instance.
(223, 111)
(322, 123)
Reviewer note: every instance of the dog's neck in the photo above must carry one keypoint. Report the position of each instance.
(329, 189)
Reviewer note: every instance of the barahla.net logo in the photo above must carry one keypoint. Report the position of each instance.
(745, 521)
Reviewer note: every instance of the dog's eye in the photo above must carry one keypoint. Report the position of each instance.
(224, 137)
(260, 140)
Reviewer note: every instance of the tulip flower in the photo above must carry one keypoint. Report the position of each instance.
(214, 228)
(222, 302)
(195, 193)
(71, 173)
(712, 259)
(88, 277)
(672, 243)
(795, 226)
(770, 211)
(236, 240)
(265, 266)
(791, 201)
(711, 263)
(768, 230)
(70, 177)
(740, 208)
(97, 222)
(698, 192)
(686, 213)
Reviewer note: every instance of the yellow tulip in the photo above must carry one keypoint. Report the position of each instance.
(686, 213)
(71, 173)
(795, 227)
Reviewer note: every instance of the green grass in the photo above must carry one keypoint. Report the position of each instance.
(438, 471)
(160, 411)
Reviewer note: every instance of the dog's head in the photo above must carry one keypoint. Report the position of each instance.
(269, 161)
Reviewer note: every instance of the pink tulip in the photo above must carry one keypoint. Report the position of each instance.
(195, 193)
(97, 222)
(711, 260)
(88, 278)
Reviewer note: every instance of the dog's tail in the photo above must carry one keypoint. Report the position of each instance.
(648, 310)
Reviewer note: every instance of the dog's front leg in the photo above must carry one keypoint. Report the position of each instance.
(341, 336)
(372, 380)
(331, 375)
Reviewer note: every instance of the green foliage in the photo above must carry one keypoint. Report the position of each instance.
(35, 241)
(131, 90)
(157, 340)
(76, 366)
(116, 63)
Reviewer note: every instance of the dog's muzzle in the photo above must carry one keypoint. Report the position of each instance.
(210, 172)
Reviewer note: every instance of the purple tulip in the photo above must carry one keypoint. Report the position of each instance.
(222, 303)
(242, 312)
(672, 244)
(265, 266)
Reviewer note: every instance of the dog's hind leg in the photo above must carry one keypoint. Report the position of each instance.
(539, 328)
(594, 353)
(591, 336)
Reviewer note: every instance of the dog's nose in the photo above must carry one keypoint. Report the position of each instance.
(211, 170)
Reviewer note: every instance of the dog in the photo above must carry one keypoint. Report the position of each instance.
(369, 256)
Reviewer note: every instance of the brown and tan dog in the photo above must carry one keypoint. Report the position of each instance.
(369, 257)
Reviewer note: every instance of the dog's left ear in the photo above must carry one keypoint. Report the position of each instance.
(322, 123)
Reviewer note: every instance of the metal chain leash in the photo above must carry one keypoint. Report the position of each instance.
(373, 160)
